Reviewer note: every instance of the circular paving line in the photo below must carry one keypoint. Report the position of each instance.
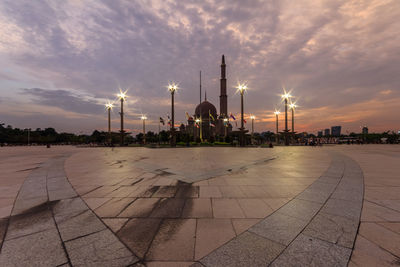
(316, 228)
(51, 225)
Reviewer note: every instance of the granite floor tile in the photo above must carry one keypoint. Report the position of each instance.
(210, 234)
(301, 209)
(168, 208)
(246, 250)
(381, 236)
(197, 208)
(226, 208)
(309, 251)
(113, 207)
(174, 241)
(138, 233)
(210, 192)
(241, 225)
(99, 249)
(254, 208)
(279, 227)
(141, 207)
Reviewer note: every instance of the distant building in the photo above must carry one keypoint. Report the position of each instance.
(335, 130)
(365, 130)
(327, 132)
(319, 134)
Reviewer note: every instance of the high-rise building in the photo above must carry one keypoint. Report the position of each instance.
(335, 130)
(223, 98)
(327, 132)
(365, 130)
(319, 134)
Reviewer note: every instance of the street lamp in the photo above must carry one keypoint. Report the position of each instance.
(226, 121)
(252, 124)
(241, 88)
(277, 112)
(109, 107)
(172, 87)
(144, 118)
(292, 107)
(122, 96)
(286, 96)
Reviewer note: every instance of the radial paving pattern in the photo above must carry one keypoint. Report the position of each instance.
(200, 207)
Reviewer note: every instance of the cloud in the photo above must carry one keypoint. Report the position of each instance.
(65, 100)
(334, 54)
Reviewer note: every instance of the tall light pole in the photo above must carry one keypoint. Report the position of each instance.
(144, 118)
(242, 88)
(172, 88)
(277, 112)
(286, 97)
(122, 97)
(292, 107)
(29, 136)
(252, 125)
(109, 107)
(226, 122)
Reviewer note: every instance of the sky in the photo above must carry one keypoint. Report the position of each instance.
(61, 61)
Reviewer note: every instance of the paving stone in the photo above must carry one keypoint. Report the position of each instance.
(241, 225)
(99, 249)
(59, 188)
(3, 227)
(332, 228)
(309, 251)
(279, 227)
(374, 212)
(254, 208)
(276, 203)
(26, 224)
(381, 236)
(246, 250)
(174, 241)
(345, 208)
(41, 249)
(170, 264)
(210, 234)
(79, 225)
(301, 209)
(366, 253)
(113, 207)
(138, 233)
(351, 195)
(314, 196)
(165, 191)
(94, 203)
(141, 207)
(210, 192)
(168, 208)
(226, 208)
(197, 208)
(115, 224)
(67, 208)
(187, 192)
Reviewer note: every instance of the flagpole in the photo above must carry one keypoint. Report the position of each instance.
(159, 131)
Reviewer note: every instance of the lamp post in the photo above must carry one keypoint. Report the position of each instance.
(286, 97)
(252, 124)
(109, 106)
(292, 107)
(144, 118)
(172, 88)
(242, 88)
(122, 97)
(226, 121)
(277, 112)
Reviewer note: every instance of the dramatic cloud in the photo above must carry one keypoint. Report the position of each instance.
(341, 58)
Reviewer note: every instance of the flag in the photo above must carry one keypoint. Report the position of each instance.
(244, 121)
(211, 116)
(231, 115)
(162, 121)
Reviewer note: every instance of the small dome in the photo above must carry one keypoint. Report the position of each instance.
(205, 108)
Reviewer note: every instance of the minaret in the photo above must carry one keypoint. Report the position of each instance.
(223, 98)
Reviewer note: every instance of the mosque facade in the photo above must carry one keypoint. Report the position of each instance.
(207, 123)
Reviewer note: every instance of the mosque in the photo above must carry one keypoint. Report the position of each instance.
(207, 123)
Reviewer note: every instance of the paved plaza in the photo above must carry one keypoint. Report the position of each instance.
(204, 206)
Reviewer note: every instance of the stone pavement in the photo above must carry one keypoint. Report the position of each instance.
(198, 206)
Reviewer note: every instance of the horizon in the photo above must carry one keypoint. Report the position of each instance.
(63, 61)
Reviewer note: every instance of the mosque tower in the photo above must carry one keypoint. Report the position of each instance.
(223, 98)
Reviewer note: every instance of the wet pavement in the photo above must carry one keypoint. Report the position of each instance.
(199, 206)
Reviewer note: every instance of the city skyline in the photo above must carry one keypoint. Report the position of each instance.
(62, 61)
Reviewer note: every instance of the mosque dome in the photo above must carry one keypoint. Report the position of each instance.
(206, 108)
